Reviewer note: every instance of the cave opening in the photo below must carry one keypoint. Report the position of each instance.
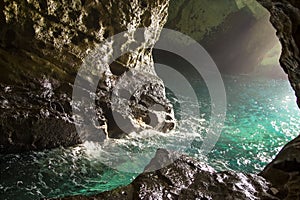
(237, 34)
(262, 114)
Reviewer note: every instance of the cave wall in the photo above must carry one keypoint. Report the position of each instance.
(196, 18)
(186, 178)
(236, 33)
(61, 33)
(284, 171)
(285, 17)
(43, 44)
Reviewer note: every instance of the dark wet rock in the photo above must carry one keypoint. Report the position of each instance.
(186, 178)
(285, 17)
(284, 171)
(139, 103)
(42, 46)
(35, 119)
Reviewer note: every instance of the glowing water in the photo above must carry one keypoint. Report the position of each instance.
(262, 116)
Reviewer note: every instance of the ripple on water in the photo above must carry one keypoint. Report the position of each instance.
(262, 116)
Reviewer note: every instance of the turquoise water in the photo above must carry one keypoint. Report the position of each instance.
(262, 116)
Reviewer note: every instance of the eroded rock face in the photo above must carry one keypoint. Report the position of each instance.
(33, 118)
(186, 178)
(43, 44)
(285, 17)
(284, 171)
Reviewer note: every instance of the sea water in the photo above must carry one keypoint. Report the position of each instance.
(262, 116)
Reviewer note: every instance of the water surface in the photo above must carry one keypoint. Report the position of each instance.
(262, 116)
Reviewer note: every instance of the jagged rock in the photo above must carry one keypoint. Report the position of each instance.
(34, 119)
(42, 46)
(285, 17)
(284, 171)
(186, 178)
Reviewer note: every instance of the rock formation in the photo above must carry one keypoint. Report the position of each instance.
(284, 171)
(285, 17)
(190, 179)
(187, 179)
(42, 46)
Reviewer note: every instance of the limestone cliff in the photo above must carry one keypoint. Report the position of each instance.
(190, 179)
(43, 44)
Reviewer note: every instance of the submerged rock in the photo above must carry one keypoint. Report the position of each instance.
(186, 178)
(284, 171)
(42, 46)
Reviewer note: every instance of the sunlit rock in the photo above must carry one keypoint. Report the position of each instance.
(42, 46)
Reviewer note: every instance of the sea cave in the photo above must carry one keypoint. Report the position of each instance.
(150, 99)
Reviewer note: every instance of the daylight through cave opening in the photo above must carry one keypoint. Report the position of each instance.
(44, 43)
(243, 43)
(237, 34)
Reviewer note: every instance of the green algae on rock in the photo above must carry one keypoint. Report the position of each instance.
(284, 171)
